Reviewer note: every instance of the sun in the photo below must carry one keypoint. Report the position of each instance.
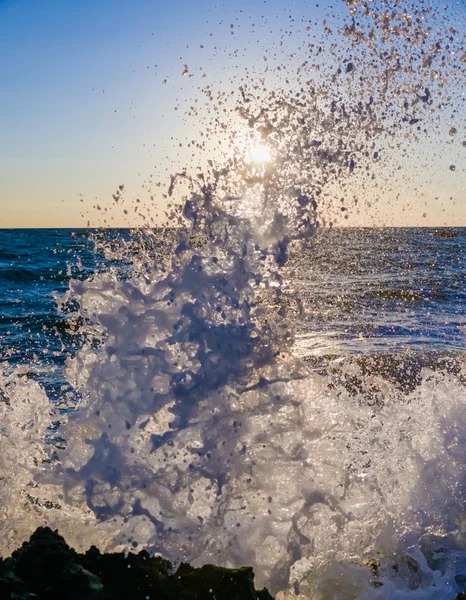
(260, 154)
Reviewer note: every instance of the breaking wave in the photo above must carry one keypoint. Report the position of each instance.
(195, 430)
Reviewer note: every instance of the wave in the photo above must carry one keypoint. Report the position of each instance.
(7, 255)
(339, 482)
(406, 295)
(191, 427)
(199, 435)
(18, 274)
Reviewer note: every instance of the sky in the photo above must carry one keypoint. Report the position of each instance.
(93, 92)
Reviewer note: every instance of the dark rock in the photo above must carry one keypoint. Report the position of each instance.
(46, 568)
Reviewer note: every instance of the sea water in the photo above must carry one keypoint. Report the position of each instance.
(335, 469)
(357, 291)
(251, 385)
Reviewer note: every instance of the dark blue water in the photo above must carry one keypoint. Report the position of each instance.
(383, 291)
(35, 267)
(357, 291)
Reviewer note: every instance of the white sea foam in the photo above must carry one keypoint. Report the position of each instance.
(201, 437)
(199, 433)
(316, 488)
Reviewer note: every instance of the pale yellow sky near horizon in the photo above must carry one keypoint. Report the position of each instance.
(86, 107)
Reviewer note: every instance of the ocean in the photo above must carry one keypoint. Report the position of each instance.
(209, 401)
(360, 291)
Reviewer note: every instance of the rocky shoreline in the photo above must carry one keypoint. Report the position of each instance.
(46, 568)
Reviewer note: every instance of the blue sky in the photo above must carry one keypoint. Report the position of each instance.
(82, 103)
(80, 96)
(83, 106)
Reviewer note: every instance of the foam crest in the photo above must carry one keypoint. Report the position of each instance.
(25, 414)
(199, 435)
(197, 432)
(315, 487)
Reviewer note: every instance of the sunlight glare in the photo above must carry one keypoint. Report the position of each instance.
(260, 154)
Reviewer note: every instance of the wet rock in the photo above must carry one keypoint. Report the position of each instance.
(46, 568)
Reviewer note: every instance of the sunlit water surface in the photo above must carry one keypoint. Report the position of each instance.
(253, 386)
(337, 472)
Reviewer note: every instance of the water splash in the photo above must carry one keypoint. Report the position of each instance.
(198, 433)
